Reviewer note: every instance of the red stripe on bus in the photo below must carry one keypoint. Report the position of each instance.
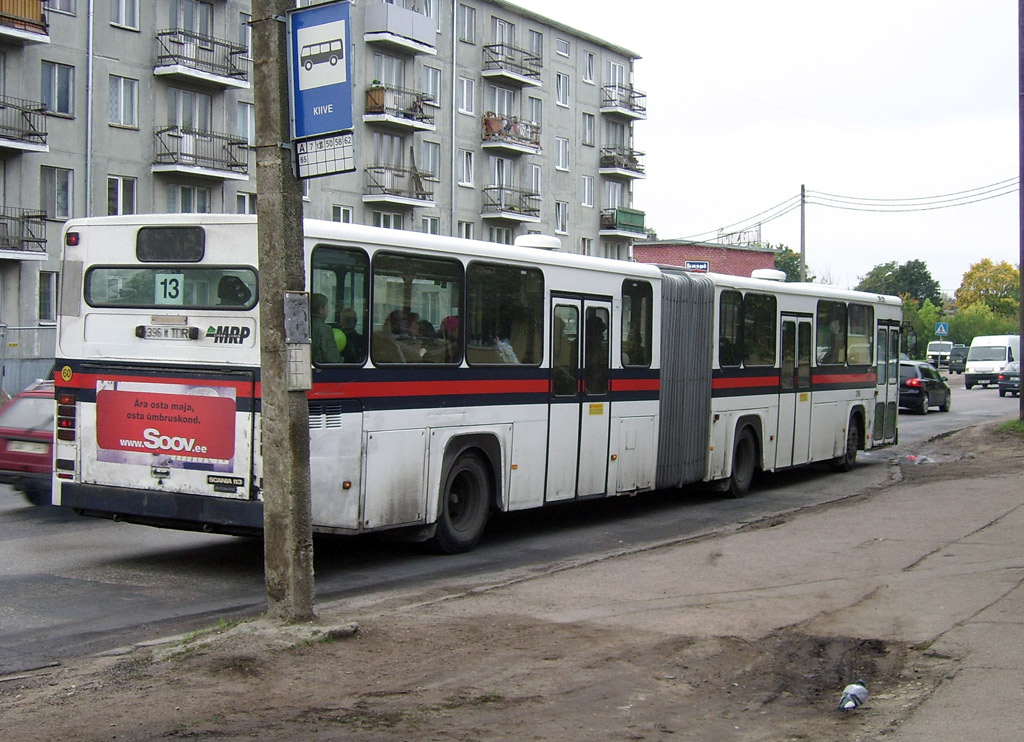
(88, 381)
(365, 389)
(842, 378)
(742, 382)
(636, 385)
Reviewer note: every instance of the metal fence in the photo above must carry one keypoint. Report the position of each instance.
(26, 354)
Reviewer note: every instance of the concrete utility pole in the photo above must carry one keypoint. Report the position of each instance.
(803, 247)
(287, 521)
(1020, 184)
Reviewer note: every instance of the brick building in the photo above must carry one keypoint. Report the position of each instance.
(735, 260)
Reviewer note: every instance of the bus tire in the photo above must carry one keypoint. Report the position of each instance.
(849, 457)
(465, 504)
(744, 461)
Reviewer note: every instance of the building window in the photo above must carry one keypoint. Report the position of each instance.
(61, 6)
(58, 84)
(562, 47)
(562, 217)
(502, 100)
(535, 107)
(589, 127)
(587, 187)
(182, 199)
(430, 225)
(466, 230)
(245, 203)
(467, 95)
(465, 167)
(432, 9)
(245, 32)
(432, 85)
(537, 44)
(246, 123)
(431, 160)
(467, 24)
(561, 153)
(193, 15)
(561, 89)
(387, 220)
(47, 296)
(501, 235)
(341, 214)
(389, 70)
(388, 149)
(124, 13)
(122, 101)
(56, 191)
(586, 246)
(536, 179)
(120, 195)
(189, 110)
(588, 67)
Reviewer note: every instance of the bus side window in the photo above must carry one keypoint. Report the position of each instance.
(730, 326)
(637, 323)
(342, 274)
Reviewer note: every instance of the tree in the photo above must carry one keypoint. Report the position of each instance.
(995, 285)
(911, 279)
(788, 262)
(979, 319)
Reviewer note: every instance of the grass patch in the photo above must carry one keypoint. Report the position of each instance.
(1012, 427)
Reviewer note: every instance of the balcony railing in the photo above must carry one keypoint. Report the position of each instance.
(623, 220)
(511, 200)
(621, 157)
(22, 121)
(194, 148)
(23, 16)
(205, 54)
(518, 62)
(511, 130)
(400, 182)
(23, 230)
(625, 98)
(399, 103)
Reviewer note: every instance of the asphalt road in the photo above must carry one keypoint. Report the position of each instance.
(71, 585)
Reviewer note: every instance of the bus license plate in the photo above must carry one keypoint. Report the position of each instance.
(166, 333)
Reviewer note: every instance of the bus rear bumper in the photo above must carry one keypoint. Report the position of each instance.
(164, 509)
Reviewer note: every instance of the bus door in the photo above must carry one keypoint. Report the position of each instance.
(794, 434)
(579, 409)
(887, 383)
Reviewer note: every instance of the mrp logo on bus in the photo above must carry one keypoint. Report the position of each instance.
(230, 334)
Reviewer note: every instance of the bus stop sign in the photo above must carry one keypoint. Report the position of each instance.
(320, 70)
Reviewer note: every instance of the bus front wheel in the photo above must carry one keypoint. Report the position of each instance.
(744, 461)
(849, 457)
(465, 505)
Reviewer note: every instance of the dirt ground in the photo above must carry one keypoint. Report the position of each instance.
(446, 666)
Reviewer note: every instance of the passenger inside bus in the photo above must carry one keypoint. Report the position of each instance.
(232, 292)
(325, 349)
(355, 343)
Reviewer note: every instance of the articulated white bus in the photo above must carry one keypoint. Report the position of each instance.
(451, 378)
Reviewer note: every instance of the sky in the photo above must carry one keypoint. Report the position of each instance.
(749, 100)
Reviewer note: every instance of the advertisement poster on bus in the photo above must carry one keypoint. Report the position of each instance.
(167, 425)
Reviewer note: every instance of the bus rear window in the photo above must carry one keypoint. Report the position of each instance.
(171, 287)
(170, 244)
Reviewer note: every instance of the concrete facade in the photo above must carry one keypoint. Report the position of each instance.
(471, 117)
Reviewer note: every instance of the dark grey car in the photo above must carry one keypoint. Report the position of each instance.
(921, 387)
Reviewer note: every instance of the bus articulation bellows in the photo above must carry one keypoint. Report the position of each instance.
(451, 378)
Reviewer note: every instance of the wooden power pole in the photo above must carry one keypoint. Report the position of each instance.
(287, 521)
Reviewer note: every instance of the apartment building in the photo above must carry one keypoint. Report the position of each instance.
(474, 118)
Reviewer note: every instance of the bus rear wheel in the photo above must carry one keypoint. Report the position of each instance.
(744, 461)
(849, 457)
(465, 504)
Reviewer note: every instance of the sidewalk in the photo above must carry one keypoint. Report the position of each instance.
(740, 636)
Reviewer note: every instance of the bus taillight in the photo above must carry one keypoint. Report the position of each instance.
(66, 413)
(71, 239)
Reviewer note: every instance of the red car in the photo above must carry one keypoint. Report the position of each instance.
(26, 442)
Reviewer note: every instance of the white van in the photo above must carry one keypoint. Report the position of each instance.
(987, 356)
(938, 353)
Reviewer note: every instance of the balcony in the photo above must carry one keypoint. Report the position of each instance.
(403, 29)
(23, 22)
(512, 65)
(622, 222)
(398, 186)
(510, 134)
(623, 100)
(399, 108)
(22, 125)
(513, 204)
(191, 56)
(204, 153)
(622, 161)
(22, 234)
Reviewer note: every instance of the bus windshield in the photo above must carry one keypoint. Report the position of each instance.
(187, 287)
